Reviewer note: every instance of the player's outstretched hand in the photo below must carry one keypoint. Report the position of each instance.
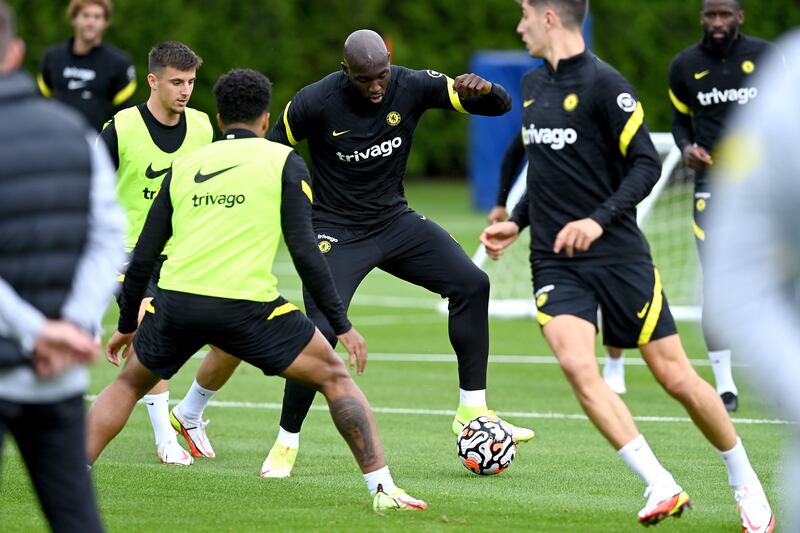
(498, 237)
(61, 345)
(696, 157)
(356, 349)
(468, 85)
(578, 235)
(497, 214)
(116, 343)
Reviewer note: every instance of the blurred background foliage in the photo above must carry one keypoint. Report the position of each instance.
(296, 42)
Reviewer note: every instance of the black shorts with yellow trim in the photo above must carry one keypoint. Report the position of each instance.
(152, 285)
(630, 296)
(269, 335)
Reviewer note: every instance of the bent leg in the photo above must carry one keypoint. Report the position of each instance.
(216, 369)
(572, 340)
(427, 256)
(671, 368)
(110, 411)
(349, 264)
(320, 368)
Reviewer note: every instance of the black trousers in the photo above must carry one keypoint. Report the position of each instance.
(415, 249)
(52, 440)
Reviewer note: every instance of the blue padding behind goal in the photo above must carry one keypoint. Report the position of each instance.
(489, 136)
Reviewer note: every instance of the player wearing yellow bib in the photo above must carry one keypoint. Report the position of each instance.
(225, 207)
(143, 141)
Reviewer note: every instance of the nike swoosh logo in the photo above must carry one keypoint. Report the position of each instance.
(527, 103)
(150, 403)
(337, 133)
(700, 75)
(200, 178)
(747, 522)
(153, 174)
(641, 313)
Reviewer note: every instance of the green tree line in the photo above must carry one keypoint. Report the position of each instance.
(296, 42)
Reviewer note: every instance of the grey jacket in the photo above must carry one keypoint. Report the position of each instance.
(61, 238)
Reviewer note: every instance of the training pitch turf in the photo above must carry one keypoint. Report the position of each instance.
(567, 479)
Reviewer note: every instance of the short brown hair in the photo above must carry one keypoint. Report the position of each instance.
(172, 54)
(572, 12)
(75, 7)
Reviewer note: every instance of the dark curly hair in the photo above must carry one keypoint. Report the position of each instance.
(242, 95)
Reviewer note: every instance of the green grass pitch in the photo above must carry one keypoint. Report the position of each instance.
(567, 479)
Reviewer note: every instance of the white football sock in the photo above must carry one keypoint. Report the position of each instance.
(158, 409)
(723, 374)
(285, 438)
(642, 460)
(615, 366)
(380, 477)
(195, 401)
(740, 471)
(472, 398)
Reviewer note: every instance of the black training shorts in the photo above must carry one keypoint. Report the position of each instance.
(269, 335)
(634, 308)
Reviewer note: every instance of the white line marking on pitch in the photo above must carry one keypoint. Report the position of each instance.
(269, 406)
(494, 359)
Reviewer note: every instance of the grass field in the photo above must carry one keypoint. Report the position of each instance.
(567, 479)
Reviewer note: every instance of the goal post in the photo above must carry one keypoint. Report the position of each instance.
(665, 216)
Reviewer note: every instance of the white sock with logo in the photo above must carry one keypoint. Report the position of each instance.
(379, 477)
(195, 401)
(642, 460)
(158, 409)
(287, 438)
(740, 471)
(723, 373)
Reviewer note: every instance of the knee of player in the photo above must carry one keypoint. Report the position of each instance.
(579, 369)
(136, 379)
(470, 283)
(678, 383)
(335, 377)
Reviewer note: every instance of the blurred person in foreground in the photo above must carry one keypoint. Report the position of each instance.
(94, 77)
(755, 260)
(62, 233)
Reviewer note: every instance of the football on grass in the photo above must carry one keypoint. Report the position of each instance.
(486, 446)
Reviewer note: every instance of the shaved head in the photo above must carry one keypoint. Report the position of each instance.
(365, 50)
(366, 64)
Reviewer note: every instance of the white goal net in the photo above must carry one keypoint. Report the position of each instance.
(666, 218)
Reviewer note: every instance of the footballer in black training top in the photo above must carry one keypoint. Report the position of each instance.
(94, 77)
(707, 82)
(359, 123)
